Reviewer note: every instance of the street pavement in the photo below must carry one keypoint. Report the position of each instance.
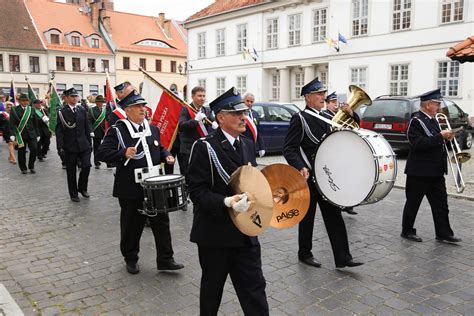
(60, 257)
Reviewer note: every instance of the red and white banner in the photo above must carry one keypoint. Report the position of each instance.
(109, 98)
(166, 108)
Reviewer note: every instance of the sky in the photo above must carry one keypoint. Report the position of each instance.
(175, 9)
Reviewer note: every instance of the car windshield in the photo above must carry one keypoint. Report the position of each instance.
(388, 108)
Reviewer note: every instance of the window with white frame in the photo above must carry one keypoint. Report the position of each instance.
(360, 17)
(294, 29)
(448, 78)
(401, 15)
(319, 25)
(359, 77)
(323, 77)
(452, 11)
(299, 83)
(220, 42)
(93, 89)
(276, 86)
(272, 33)
(220, 86)
(202, 83)
(201, 45)
(242, 84)
(241, 37)
(399, 79)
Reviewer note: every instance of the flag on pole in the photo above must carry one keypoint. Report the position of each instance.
(165, 106)
(12, 92)
(341, 38)
(54, 105)
(31, 94)
(109, 98)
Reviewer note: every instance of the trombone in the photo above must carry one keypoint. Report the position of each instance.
(458, 157)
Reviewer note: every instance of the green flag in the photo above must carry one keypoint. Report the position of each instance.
(54, 105)
(31, 94)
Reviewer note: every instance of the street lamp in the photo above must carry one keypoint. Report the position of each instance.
(180, 69)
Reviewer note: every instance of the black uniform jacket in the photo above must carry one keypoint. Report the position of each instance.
(31, 127)
(74, 140)
(93, 114)
(259, 145)
(111, 151)
(212, 225)
(297, 138)
(43, 128)
(5, 127)
(187, 128)
(427, 157)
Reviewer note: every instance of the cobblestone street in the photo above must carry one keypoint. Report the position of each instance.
(60, 257)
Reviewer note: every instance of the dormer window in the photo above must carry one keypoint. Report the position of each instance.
(53, 36)
(95, 43)
(93, 40)
(55, 39)
(153, 43)
(75, 41)
(74, 38)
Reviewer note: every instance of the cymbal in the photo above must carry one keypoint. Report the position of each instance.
(291, 195)
(256, 220)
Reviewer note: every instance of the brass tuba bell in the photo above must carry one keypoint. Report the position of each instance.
(356, 99)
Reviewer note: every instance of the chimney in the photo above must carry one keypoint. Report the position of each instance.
(161, 19)
(95, 11)
(167, 28)
(106, 22)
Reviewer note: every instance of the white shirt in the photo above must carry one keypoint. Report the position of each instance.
(72, 107)
(229, 137)
(137, 126)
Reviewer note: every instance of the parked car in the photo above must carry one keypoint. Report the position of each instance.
(390, 116)
(274, 122)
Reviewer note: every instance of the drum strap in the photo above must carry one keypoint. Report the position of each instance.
(122, 144)
(220, 170)
(322, 118)
(307, 130)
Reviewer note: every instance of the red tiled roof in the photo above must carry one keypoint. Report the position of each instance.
(126, 29)
(16, 29)
(463, 51)
(221, 6)
(66, 18)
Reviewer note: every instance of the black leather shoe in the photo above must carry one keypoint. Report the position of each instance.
(132, 267)
(350, 264)
(412, 237)
(311, 262)
(350, 210)
(75, 199)
(32, 171)
(449, 239)
(85, 194)
(40, 159)
(170, 265)
(24, 171)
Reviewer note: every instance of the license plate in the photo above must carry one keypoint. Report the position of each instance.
(383, 126)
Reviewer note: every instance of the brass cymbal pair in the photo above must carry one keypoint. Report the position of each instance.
(279, 197)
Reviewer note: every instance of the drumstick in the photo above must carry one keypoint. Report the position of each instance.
(136, 146)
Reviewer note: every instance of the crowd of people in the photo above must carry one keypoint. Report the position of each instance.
(213, 141)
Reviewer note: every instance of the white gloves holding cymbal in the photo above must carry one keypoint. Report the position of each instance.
(200, 116)
(238, 202)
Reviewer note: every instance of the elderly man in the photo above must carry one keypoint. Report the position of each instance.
(119, 145)
(253, 125)
(305, 133)
(425, 169)
(223, 250)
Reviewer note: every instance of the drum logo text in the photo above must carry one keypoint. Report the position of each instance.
(287, 215)
(328, 172)
(256, 219)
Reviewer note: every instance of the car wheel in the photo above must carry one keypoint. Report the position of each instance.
(467, 144)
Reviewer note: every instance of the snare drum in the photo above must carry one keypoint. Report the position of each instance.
(166, 193)
(354, 167)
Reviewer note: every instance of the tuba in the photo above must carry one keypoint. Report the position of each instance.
(356, 99)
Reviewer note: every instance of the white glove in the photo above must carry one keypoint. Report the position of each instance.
(215, 125)
(38, 138)
(92, 134)
(261, 153)
(45, 119)
(238, 202)
(200, 116)
(12, 138)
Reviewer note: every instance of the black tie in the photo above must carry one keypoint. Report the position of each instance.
(237, 145)
(140, 128)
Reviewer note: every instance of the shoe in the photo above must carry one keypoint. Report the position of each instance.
(311, 262)
(132, 267)
(449, 239)
(40, 159)
(170, 265)
(412, 237)
(75, 199)
(349, 264)
(97, 166)
(24, 171)
(13, 161)
(350, 211)
(32, 171)
(85, 194)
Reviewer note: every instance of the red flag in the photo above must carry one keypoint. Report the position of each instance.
(109, 98)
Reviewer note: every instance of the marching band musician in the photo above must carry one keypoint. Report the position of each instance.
(223, 250)
(43, 128)
(425, 169)
(252, 130)
(331, 110)
(73, 142)
(302, 141)
(118, 146)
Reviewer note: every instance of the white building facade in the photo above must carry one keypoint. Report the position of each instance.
(393, 47)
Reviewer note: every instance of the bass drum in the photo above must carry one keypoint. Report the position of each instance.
(354, 167)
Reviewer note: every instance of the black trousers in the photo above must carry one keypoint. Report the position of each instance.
(435, 190)
(335, 228)
(96, 142)
(43, 144)
(33, 149)
(131, 229)
(71, 160)
(183, 160)
(244, 266)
